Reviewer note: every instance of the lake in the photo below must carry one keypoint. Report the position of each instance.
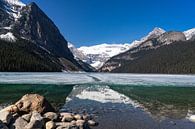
(116, 101)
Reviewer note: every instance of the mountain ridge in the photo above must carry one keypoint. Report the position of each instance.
(87, 53)
(116, 63)
(31, 24)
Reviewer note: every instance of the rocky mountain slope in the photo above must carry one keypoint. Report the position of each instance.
(28, 23)
(150, 55)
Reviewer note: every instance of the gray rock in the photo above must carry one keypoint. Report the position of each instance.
(67, 117)
(51, 116)
(27, 117)
(50, 125)
(20, 123)
(5, 117)
(2, 125)
(36, 121)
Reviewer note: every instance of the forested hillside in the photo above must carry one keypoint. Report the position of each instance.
(25, 56)
(176, 58)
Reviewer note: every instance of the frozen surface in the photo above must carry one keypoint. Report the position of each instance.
(98, 78)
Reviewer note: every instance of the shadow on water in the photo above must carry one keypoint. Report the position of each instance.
(160, 101)
(55, 94)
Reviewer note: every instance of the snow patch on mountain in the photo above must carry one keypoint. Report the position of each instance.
(8, 37)
(189, 33)
(13, 8)
(15, 2)
(106, 49)
(97, 55)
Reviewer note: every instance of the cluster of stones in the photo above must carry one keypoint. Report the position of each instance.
(33, 111)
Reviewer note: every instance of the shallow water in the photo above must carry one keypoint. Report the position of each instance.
(116, 101)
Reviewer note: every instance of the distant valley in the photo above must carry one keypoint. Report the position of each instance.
(157, 52)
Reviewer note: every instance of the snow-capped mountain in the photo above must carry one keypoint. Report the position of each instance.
(153, 34)
(10, 13)
(78, 55)
(97, 55)
(154, 40)
(24, 24)
(13, 7)
(15, 2)
(190, 34)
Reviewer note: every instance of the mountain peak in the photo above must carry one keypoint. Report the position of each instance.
(153, 34)
(33, 4)
(156, 31)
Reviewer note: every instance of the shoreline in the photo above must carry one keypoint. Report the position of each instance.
(34, 111)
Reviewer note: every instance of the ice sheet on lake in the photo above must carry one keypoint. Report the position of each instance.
(86, 78)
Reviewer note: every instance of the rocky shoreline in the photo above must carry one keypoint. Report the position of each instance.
(33, 111)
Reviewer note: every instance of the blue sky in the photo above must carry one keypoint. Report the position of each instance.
(89, 22)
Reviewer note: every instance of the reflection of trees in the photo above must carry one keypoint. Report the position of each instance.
(171, 102)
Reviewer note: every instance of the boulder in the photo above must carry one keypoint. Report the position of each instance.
(36, 121)
(51, 116)
(34, 102)
(5, 117)
(50, 125)
(2, 125)
(20, 123)
(67, 117)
